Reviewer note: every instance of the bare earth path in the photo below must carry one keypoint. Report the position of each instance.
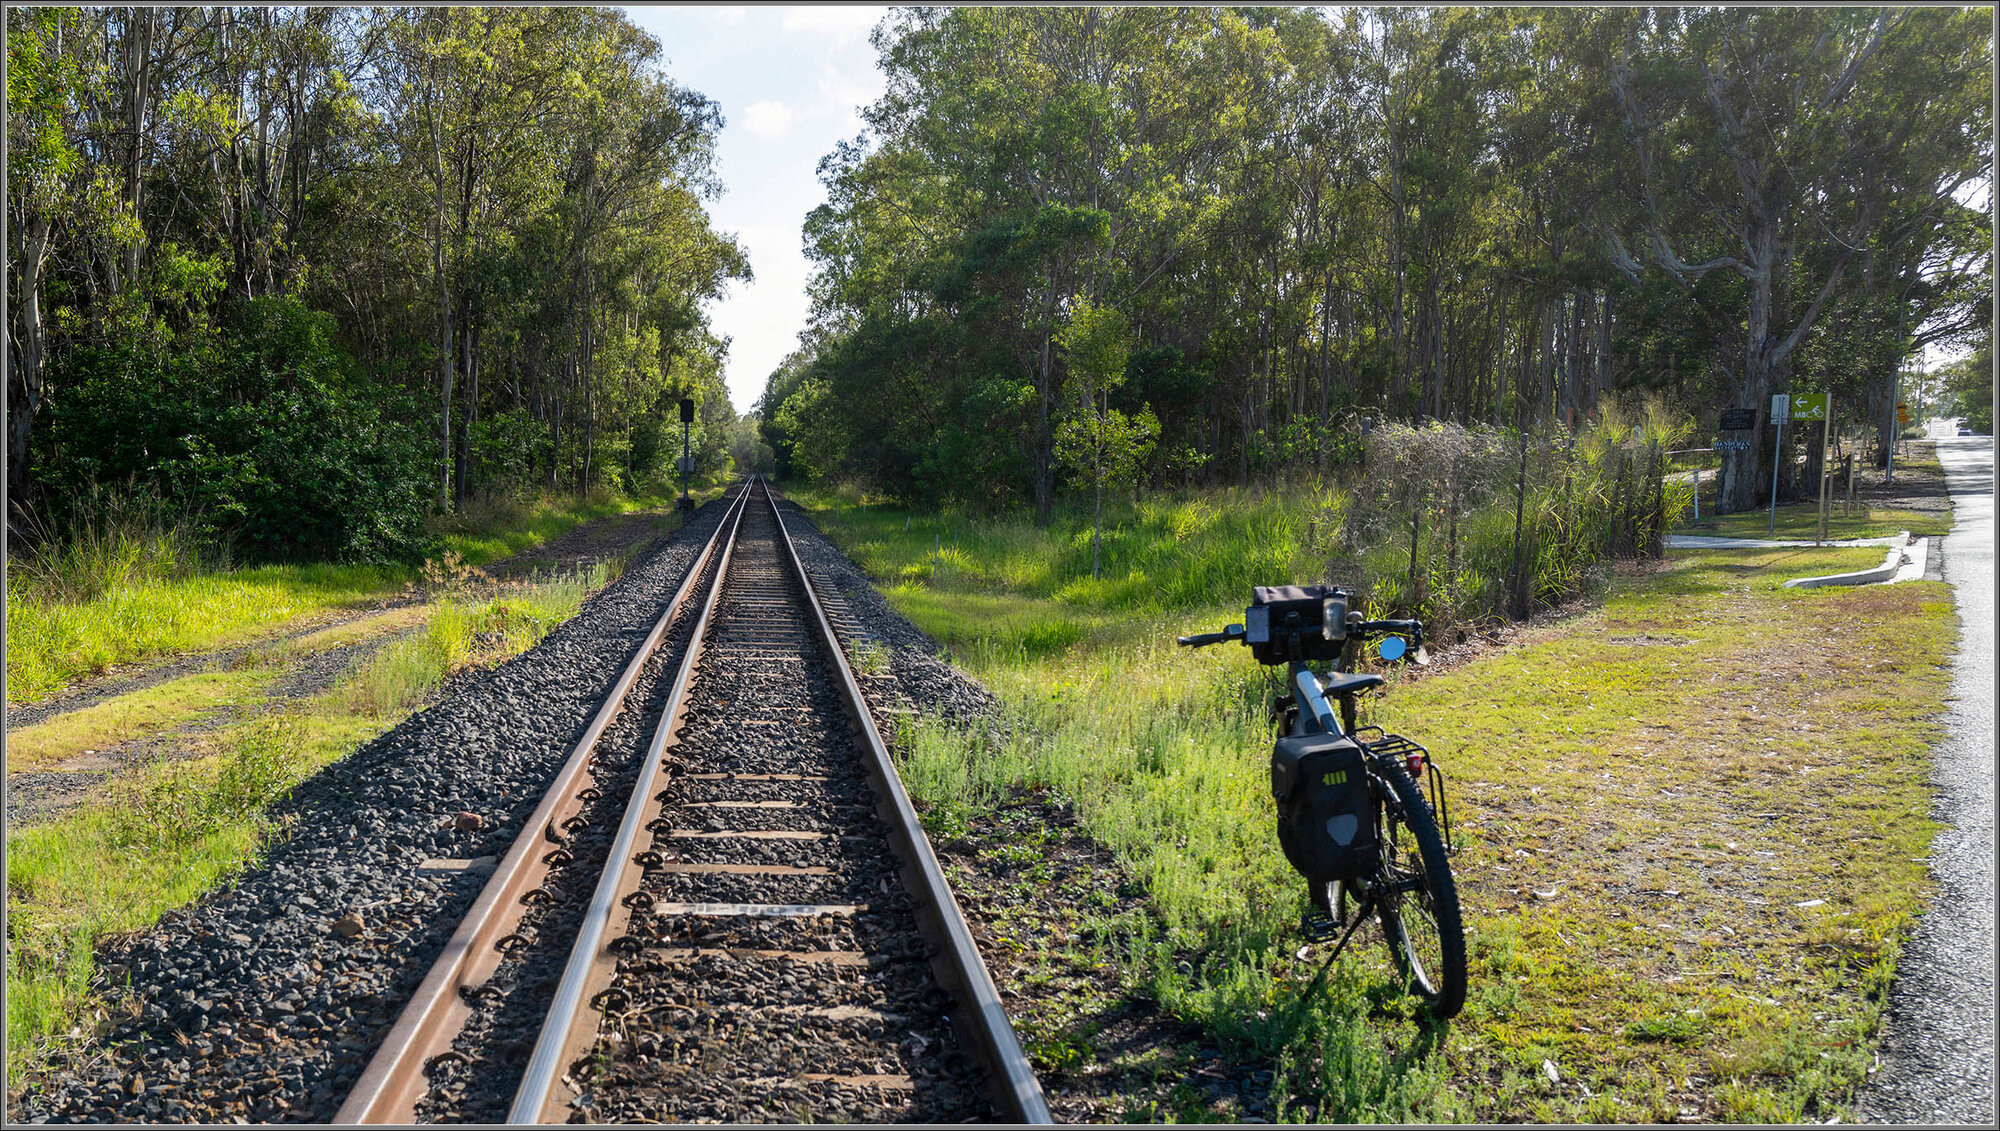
(49, 791)
(1938, 1055)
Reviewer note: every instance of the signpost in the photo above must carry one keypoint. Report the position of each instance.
(1780, 406)
(1808, 407)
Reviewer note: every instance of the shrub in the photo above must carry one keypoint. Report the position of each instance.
(263, 431)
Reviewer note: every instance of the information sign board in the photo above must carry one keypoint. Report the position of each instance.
(1809, 406)
(1739, 419)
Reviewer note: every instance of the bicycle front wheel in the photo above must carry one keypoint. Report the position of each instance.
(1417, 900)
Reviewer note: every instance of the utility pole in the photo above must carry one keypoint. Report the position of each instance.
(1895, 390)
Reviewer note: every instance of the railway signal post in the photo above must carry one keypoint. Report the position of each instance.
(687, 451)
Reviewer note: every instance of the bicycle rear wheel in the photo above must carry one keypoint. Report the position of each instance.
(1417, 900)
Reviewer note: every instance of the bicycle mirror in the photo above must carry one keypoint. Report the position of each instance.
(1393, 647)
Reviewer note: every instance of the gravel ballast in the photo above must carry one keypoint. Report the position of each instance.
(249, 1004)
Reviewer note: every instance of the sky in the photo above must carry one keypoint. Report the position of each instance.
(791, 82)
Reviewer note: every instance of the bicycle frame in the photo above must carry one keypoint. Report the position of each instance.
(1312, 702)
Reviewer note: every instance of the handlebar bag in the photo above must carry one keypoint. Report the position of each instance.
(1322, 628)
(1326, 819)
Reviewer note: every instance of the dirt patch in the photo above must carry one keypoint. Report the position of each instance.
(1919, 484)
(309, 668)
(128, 678)
(1049, 908)
(46, 793)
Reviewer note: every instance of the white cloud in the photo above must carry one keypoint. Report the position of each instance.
(790, 80)
(839, 19)
(767, 118)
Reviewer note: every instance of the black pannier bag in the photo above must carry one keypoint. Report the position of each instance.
(1326, 824)
(1318, 633)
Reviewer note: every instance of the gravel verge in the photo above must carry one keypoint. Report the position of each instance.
(1937, 1055)
(249, 1004)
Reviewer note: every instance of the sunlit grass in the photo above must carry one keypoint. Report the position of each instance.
(168, 833)
(54, 640)
(497, 527)
(134, 715)
(1627, 753)
(1802, 521)
(50, 645)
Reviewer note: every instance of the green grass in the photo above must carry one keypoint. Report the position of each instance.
(50, 645)
(170, 832)
(1165, 553)
(1801, 521)
(61, 629)
(134, 715)
(495, 528)
(1626, 753)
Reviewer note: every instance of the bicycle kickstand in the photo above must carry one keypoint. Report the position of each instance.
(1319, 979)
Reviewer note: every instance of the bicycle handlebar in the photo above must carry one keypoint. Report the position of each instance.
(1204, 639)
(1414, 629)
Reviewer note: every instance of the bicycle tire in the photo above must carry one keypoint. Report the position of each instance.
(1434, 973)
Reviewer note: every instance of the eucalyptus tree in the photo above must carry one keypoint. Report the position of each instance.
(1762, 138)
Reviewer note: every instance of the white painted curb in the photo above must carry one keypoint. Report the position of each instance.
(1892, 562)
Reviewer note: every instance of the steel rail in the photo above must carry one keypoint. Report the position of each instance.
(393, 1082)
(591, 964)
(958, 963)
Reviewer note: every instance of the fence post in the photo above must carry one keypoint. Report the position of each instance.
(1416, 515)
(1520, 500)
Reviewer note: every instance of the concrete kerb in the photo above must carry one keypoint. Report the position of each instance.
(1900, 546)
(1891, 563)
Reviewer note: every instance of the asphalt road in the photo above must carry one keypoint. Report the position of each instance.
(1938, 1051)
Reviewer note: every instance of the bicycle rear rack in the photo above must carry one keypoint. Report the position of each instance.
(1396, 746)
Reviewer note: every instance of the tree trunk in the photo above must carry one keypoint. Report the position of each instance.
(1097, 534)
(1044, 451)
(26, 347)
(138, 97)
(445, 366)
(469, 355)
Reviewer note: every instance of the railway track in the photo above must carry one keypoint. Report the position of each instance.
(724, 908)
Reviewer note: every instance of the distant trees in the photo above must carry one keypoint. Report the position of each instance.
(1475, 215)
(1968, 387)
(497, 212)
(1788, 145)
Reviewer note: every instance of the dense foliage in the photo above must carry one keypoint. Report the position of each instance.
(1489, 216)
(319, 273)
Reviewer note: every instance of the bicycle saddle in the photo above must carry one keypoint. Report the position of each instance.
(1348, 683)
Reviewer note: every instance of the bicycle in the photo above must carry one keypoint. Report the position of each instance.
(1352, 818)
